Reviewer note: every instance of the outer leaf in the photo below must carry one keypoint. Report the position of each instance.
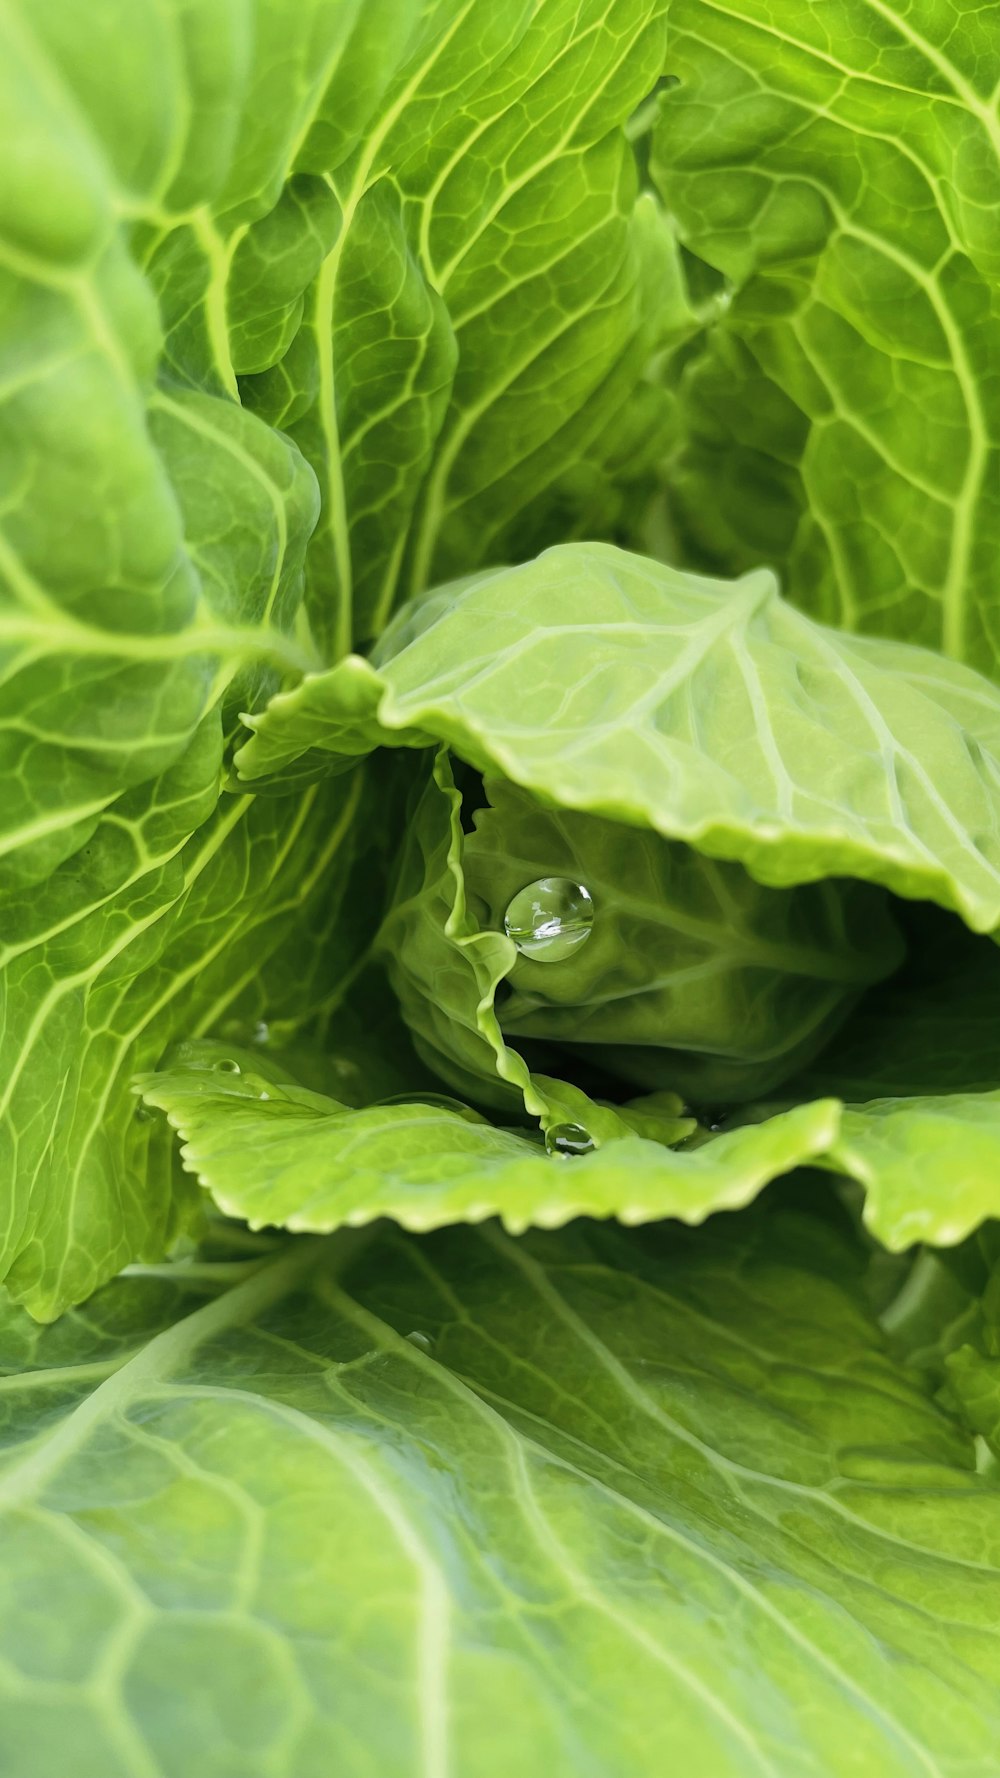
(155, 933)
(839, 163)
(252, 1527)
(929, 1165)
(712, 713)
(271, 1154)
(443, 361)
(690, 716)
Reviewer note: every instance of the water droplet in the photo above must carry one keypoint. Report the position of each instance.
(550, 919)
(422, 1341)
(228, 1065)
(261, 1031)
(568, 1139)
(263, 1095)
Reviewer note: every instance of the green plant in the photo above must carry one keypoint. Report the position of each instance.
(499, 885)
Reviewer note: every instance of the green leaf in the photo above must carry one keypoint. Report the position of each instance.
(271, 1153)
(727, 720)
(839, 165)
(682, 1473)
(693, 977)
(178, 917)
(270, 282)
(708, 712)
(928, 1164)
(972, 1365)
(452, 369)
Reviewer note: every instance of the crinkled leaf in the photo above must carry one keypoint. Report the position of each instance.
(710, 712)
(929, 1164)
(274, 1154)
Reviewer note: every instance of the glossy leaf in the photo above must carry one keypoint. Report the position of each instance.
(432, 1503)
(711, 713)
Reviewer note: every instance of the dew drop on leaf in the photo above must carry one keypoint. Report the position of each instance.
(422, 1341)
(550, 919)
(228, 1065)
(568, 1139)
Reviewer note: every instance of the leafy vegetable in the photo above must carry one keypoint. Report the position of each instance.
(839, 165)
(434, 1504)
(499, 1001)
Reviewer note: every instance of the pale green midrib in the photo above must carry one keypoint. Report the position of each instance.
(218, 256)
(129, 746)
(786, 1625)
(433, 1640)
(742, 604)
(891, 750)
(473, 1394)
(326, 292)
(66, 634)
(275, 1279)
(44, 825)
(725, 1467)
(335, 490)
(547, 1535)
(966, 94)
(516, 1416)
(14, 1381)
(954, 607)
